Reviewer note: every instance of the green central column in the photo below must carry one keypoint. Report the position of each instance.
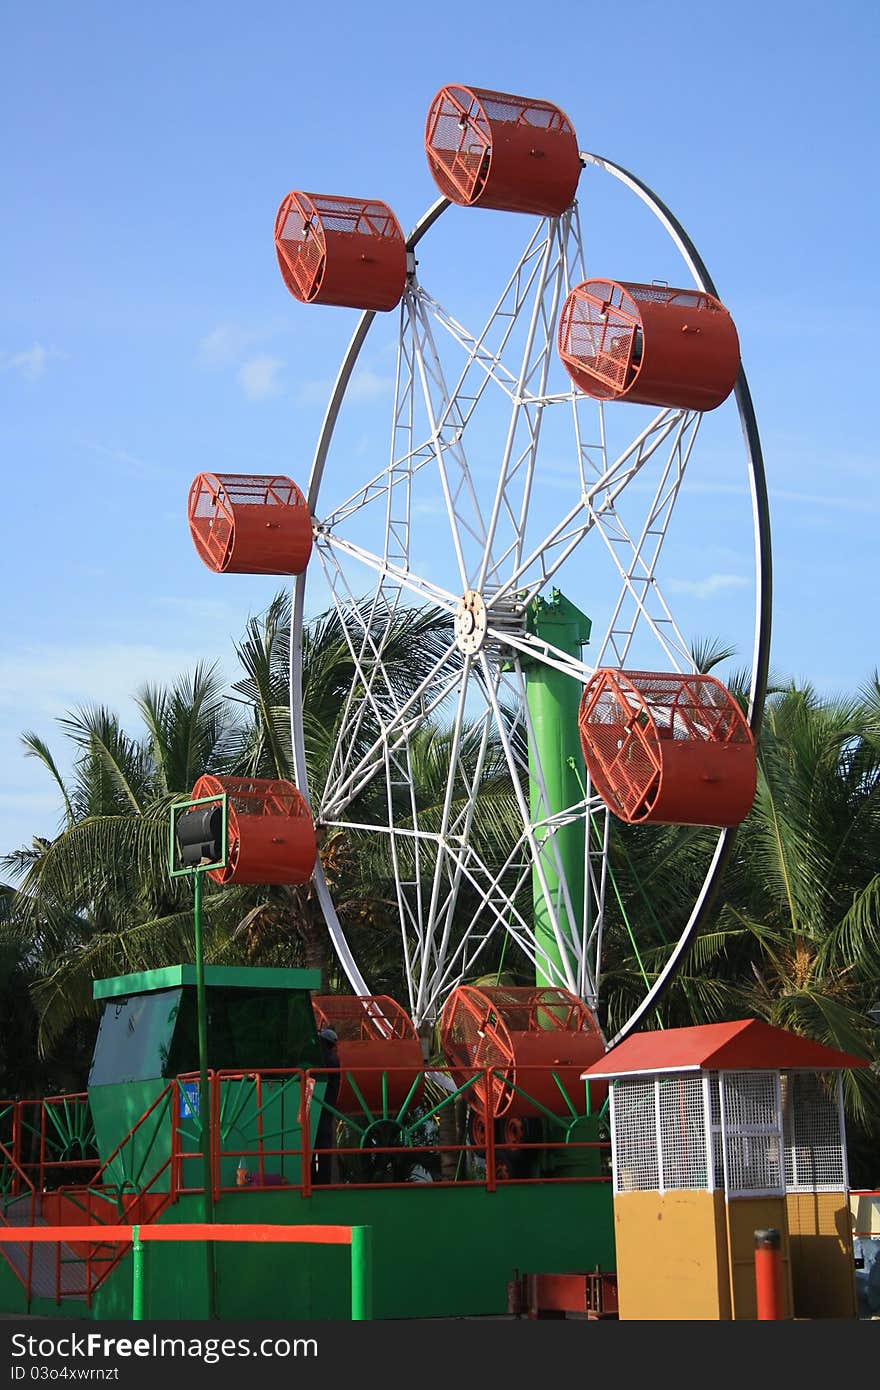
(554, 701)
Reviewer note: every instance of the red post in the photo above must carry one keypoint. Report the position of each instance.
(305, 1135)
(768, 1275)
(491, 1170)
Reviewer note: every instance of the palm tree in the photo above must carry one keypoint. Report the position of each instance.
(97, 900)
(809, 904)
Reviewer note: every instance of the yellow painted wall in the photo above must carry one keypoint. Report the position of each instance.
(691, 1255)
(745, 1216)
(671, 1256)
(823, 1271)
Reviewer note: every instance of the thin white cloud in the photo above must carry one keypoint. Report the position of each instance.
(132, 464)
(837, 501)
(228, 344)
(314, 392)
(365, 386)
(225, 345)
(30, 364)
(708, 587)
(259, 378)
(43, 680)
(202, 610)
(429, 506)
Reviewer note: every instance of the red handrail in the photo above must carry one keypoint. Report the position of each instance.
(19, 1172)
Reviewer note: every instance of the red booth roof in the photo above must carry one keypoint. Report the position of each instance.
(747, 1045)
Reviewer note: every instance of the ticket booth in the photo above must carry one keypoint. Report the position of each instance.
(719, 1132)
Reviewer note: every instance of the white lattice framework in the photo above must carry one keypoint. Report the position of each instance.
(747, 1133)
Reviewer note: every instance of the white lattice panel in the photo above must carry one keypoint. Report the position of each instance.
(715, 1120)
(751, 1120)
(683, 1132)
(635, 1136)
(815, 1158)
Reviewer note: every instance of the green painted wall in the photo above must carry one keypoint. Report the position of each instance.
(442, 1252)
(438, 1252)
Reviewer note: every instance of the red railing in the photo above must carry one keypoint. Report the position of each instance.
(491, 1163)
(134, 1237)
(22, 1182)
(50, 1139)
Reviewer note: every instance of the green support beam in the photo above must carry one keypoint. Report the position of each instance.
(554, 700)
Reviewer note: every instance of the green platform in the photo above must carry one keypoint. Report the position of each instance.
(446, 1252)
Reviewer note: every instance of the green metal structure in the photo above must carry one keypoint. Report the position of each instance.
(554, 745)
(551, 1209)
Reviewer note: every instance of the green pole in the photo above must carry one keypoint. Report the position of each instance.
(361, 1273)
(204, 1095)
(137, 1275)
(554, 700)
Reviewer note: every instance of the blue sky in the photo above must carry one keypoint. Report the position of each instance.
(145, 334)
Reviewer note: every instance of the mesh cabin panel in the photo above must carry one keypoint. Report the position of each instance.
(686, 353)
(620, 743)
(250, 523)
(597, 336)
(649, 344)
(271, 836)
(683, 1146)
(529, 1033)
(368, 217)
(472, 1035)
(458, 140)
(211, 520)
(356, 1017)
(300, 246)
(752, 1136)
(636, 1161)
(667, 748)
(380, 1056)
(344, 251)
(662, 294)
(815, 1158)
(497, 150)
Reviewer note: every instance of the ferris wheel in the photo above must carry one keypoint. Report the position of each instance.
(536, 480)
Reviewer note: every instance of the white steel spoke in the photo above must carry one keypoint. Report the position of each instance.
(446, 426)
(534, 363)
(531, 838)
(639, 579)
(370, 672)
(422, 588)
(565, 537)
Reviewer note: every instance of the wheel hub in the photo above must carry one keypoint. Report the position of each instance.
(470, 622)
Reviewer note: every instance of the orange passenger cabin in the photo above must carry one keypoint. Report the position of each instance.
(493, 150)
(667, 748)
(649, 344)
(270, 833)
(379, 1052)
(344, 251)
(250, 524)
(537, 1040)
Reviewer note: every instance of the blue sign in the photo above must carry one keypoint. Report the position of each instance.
(189, 1100)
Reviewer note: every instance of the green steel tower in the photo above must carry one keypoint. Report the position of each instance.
(554, 748)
